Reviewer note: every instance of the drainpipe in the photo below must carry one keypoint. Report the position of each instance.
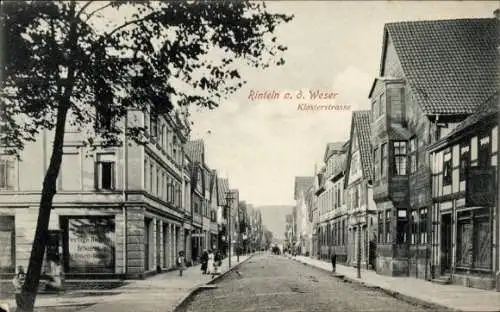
(124, 195)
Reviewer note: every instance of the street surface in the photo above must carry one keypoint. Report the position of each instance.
(275, 283)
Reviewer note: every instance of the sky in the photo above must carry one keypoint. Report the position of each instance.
(333, 46)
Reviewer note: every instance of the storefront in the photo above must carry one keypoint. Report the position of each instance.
(88, 244)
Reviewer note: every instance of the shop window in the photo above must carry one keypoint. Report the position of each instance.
(105, 172)
(89, 244)
(447, 169)
(400, 158)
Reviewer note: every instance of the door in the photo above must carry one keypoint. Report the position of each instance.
(446, 241)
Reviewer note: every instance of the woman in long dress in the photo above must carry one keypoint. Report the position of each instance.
(210, 264)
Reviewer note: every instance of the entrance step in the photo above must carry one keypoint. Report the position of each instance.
(442, 280)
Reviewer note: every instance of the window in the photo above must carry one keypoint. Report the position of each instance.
(413, 155)
(400, 158)
(105, 118)
(423, 226)
(380, 227)
(105, 172)
(388, 231)
(356, 197)
(146, 174)
(464, 161)
(8, 246)
(414, 227)
(447, 169)
(401, 227)
(374, 110)
(7, 174)
(382, 105)
(376, 158)
(158, 177)
(151, 171)
(484, 152)
(383, 163)
(154, 124)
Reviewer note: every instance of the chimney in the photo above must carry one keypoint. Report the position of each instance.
(497, 14)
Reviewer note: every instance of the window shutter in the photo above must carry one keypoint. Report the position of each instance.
(11, 174)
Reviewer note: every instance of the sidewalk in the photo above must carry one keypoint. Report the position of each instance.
(162, 292)
(452, 297)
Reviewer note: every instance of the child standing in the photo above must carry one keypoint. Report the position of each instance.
(181, 262)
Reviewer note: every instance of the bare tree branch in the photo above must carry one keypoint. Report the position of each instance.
(96, 11)
(86, 5)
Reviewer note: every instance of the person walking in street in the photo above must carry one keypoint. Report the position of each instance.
(210, 263)
(334, 261)
(217, 262)
(204, 261)
(181, 262)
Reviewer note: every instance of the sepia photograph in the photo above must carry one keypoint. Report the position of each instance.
(255, 156)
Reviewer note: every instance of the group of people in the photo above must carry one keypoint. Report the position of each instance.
(210, 262)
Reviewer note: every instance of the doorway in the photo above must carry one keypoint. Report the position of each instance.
(446, 243)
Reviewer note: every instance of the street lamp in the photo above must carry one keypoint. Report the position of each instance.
(229, 199)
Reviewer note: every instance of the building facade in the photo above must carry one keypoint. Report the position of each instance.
(362, 225)
(465, 212)
(416, 101)
(331, 203)
(118, 211)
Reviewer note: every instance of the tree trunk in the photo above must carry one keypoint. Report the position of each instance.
(26, 300)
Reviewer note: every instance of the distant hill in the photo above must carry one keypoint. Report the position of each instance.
(273, 217)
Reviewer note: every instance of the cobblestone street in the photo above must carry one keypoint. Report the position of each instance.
(275, 283)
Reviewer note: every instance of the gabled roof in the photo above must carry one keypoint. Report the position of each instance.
(361, 123)
(195, 150)
(450, 65)
(222, 188)
(489, 108)
(302, 184)
(333, 147)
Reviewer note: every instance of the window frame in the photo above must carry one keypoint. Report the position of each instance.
(99, 174)
(398, 156)
(464, 160)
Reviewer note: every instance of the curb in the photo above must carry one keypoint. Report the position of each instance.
(394, 294)
(196, 289)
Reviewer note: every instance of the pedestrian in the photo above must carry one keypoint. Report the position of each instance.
(181, 262)
(334, 261)
(210, 264)
(204, 261)
(18, 282)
